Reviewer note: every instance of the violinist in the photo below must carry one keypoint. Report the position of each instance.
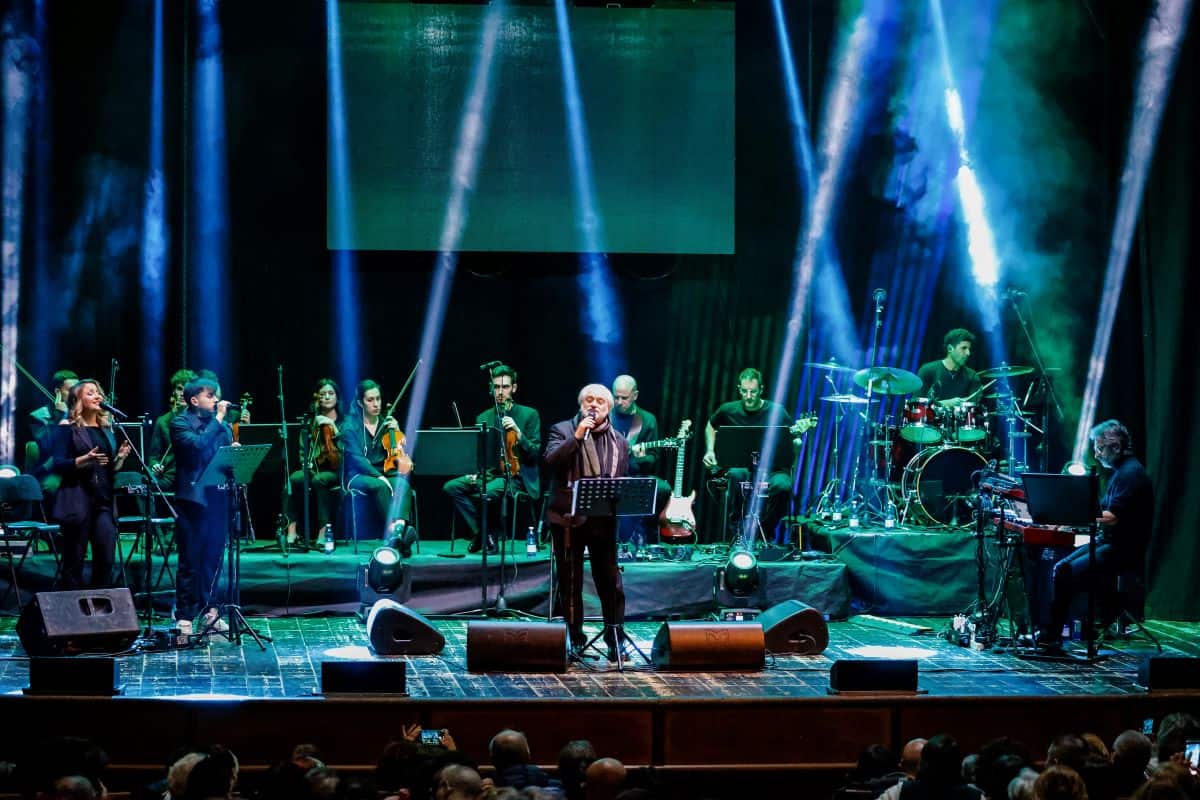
(323, 457)
(86, 455)
(522, 433)
(162, 455)
(378, 471)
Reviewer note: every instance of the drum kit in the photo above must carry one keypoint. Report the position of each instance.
(923, 464)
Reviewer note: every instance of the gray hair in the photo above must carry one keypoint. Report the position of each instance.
(597, 390)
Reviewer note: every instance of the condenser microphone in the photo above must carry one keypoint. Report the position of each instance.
(116, 412)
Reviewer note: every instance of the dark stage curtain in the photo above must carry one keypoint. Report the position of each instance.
(1166, 255)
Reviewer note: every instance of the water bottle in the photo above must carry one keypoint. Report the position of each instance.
(889, 515)
(328, 538)
(854, 514)
(530, 542)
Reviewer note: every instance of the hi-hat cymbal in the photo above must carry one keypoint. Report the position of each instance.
(846, 399)
(888, 380)
(830, 365)
(1005, 371)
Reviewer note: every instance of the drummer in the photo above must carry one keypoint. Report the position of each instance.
(949, 380)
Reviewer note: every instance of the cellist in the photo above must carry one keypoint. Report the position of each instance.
(518, 470)
(323, 456)
(377, 466)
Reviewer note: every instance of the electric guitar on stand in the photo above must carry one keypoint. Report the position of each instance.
(677, 522)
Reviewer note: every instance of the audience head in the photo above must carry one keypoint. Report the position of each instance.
(573, 760)
(1096, 747)
(1020, 787)
(213, 776)
(1067, 750)
(603, 779)
(60, 757)
(70, 787)
(508, 748)
(177, 775)
(1173, 732)
(941, 762)
(1000, 760)
(457, 782)
(1131, 751)
(910, 757)
(1059, 783)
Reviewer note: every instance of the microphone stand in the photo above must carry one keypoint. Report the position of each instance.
(153, 490)
(501, 602)
(1044, 378)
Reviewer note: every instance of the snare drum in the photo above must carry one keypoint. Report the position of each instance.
(920, 421)
(969, 426)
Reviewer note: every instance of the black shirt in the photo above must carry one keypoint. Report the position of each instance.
(648, 432)
(733, 413)
(1130, 498)
(939, 383)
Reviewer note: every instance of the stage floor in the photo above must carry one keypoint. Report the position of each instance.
(290, 665)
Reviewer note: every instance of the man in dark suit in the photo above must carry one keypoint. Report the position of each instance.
(521, 429)
(196, 435)
(42, 423)
(586, 446)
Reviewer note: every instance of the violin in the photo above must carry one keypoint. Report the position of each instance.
(326, 455)
(244, 401)
(511, 463)
(397, 461)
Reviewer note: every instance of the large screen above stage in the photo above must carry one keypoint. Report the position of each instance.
(656, 95)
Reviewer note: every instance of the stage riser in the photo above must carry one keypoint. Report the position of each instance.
(816, 732)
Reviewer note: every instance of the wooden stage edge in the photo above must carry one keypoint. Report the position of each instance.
(787, 733)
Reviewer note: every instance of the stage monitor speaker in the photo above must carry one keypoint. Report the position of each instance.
(364, 677)
(709, 646)
(66, 623)
(396, 630)
(793, 627)
(873, 675)
(516, 647)
(89, 676)
(1169, 672)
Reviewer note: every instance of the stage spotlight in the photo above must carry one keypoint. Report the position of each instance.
(9, 471)
(1075, 468)
(385, 572)
(741, 574)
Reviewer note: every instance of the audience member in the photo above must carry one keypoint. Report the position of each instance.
(458, 782)
(604, 779)
(1021, 787)
(573, 760)
(1173, 731)
(910, 761)
(939, 776)
(509, 751)
(1000, 760)
(70, 787)
(213, 777)
(1131, 753)
(177, 775)
(1060, 783)
(1067, 750)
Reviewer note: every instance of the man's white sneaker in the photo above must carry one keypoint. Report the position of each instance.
(213, 623)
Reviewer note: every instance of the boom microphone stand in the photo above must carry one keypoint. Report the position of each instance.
(1013, 296)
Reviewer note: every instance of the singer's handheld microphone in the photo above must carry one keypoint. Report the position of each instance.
(588, 433)
(490, 365)
(116, 412)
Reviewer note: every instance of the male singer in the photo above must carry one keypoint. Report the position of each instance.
(586, 446)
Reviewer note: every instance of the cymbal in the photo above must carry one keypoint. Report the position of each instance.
(830, 365)
(1005, 371)
(888, 380)
(846, 399)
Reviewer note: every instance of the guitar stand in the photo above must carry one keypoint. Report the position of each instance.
(621, 638)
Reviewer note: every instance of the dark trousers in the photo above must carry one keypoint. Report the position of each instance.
(464, 492)
(599, 536)
(201, 534)
(320, 489)
(1071, 578)
(379, 497)
(99, 529)
(774, 505)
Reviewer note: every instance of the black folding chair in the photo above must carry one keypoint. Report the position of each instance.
(19, 496)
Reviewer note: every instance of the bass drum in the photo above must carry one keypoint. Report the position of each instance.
(937, 483)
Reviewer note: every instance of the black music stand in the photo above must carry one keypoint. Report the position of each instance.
(230, 470)
(609, 497)
(741, 446)
(1070, 501)
(465, 451)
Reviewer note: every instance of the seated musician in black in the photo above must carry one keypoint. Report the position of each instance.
(42, 423)
(366, 467)
(1125, 520)
(521, 427)
(752, 409)
(949, 377)
(324, 460)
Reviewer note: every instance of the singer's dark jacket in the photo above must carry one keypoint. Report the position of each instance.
(564, 459)
(82, 487)
(529, 448)
(195, 438)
